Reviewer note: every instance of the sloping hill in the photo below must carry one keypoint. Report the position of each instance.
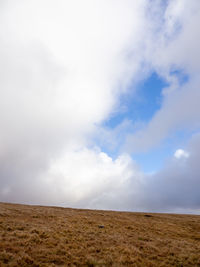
(52, 236)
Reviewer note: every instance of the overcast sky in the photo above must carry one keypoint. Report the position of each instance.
(99, 104)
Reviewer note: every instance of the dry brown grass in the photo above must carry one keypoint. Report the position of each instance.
(48, 236)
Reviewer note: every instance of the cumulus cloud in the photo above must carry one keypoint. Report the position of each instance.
(83, 178)
(180, 153)
(63, 67)
(175, 48)
(176, 187)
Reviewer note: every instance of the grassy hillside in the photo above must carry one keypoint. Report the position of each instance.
(49, 236)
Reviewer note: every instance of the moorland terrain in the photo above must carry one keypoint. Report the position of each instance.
(53, 236)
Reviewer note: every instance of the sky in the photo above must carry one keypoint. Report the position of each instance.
(99, 104)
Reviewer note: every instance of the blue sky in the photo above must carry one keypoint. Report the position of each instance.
(140, 105)
(153, 160)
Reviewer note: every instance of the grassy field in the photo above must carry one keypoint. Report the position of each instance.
(51, 236)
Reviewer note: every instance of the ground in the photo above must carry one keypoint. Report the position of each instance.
(53, 236)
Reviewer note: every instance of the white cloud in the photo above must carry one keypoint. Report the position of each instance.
(180, 153)
(85, 178)
(174, 45)
(63, 66)
(176, 187)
